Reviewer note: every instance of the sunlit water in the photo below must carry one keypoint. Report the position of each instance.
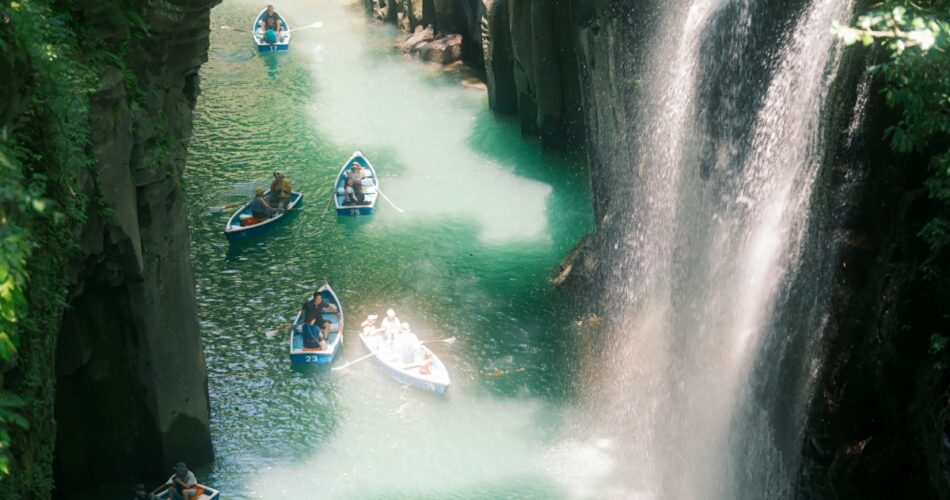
(487, 217)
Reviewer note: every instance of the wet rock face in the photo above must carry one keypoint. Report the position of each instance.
(131, 393)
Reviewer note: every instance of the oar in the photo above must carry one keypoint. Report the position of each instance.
(239, 30)
(227, 207)
(314, 25)
(450, 341)
(357, 360)
(380, 191)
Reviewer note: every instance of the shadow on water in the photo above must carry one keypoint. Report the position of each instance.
(271, 61)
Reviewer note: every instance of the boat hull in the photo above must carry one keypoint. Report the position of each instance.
(300, 355)
(370, 187)
(235, 232)
(207, 493)
(354, 211)
(407, 377)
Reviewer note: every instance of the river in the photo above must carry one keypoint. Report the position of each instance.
(487, 217)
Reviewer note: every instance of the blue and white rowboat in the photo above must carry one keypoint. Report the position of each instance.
(204, 493)
(370, 188)
(388, 359)
(235, 231)
(283, 42)
(314, 355)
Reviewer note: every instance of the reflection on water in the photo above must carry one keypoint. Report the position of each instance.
(487, 216)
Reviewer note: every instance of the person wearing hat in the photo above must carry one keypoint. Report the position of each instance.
(389, 325)
(354, 177)
(142, 494)
(280, 191)
(260, 209)
(181, 486)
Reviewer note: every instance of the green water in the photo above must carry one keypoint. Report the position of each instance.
(487, 217)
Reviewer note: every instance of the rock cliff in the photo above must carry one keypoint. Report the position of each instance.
(130, 393)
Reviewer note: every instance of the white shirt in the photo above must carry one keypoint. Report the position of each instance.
(390, 326)
(189, 479)
(356, 177)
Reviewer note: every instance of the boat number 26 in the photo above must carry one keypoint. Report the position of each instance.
(355, 212)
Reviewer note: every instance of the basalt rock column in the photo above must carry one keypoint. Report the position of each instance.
(131, 380)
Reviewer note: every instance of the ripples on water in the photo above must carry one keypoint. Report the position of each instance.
(487, 218)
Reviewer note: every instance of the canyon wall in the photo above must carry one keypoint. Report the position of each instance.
(123, 369)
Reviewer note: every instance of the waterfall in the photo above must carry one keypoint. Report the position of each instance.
(722, 166)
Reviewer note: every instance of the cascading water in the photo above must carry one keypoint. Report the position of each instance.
(725, 157)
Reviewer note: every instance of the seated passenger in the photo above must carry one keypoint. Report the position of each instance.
(181, 486)
(406, 345)
(390, 325)
(369, 325)
(260, 209)
(316, 329)
(356, 174)
(349, 193)
(280, 190)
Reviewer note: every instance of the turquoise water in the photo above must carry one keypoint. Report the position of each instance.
(487, 216)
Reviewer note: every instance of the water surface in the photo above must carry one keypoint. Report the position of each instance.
(487, 217)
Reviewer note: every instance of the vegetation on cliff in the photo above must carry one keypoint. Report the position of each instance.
(916, 76)
(43, 160)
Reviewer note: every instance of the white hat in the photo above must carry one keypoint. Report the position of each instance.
(372, 317)
(405, 326)
(390, 313)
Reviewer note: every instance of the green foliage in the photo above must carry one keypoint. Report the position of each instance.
(9, 416)
(43, 154)
(917, 82)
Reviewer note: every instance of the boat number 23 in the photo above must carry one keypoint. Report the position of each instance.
(312, 358)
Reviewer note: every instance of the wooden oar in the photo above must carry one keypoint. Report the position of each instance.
(450, 341)
(227, 207)
(380, 191)
(357, 360)
(314, 25)
(239, 30)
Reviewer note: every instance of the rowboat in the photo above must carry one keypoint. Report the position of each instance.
(236, 230)
(203, 493)
(370, 188)
(389, 360)
(315, 355)
(282, 44)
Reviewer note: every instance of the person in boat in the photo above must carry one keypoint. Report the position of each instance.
(369, 325)
(355, 173)
(425, 368)
(316, 329)
(389, 327)
(181, 486)
(280, 191)
(349, 193)
(142, 494)
(260, 209)
(406, 344)
(271, 25)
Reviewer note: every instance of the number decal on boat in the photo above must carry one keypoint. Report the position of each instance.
(355, 212)
(311, 358)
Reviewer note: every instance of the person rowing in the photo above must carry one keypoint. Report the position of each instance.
(271, 25)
